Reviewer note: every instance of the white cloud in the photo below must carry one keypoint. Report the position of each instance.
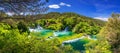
(54, 6)
(68, 5)
(64, 4)
(101, 18)
(10, 13)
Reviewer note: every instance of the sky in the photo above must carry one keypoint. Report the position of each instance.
(98, 9)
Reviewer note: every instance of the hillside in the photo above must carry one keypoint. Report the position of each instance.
(74, 22)
(58, 21)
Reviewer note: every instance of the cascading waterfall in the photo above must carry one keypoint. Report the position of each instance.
(36, 29)
(58, 33)
(64, 32)
(66, 29)
(39, 27)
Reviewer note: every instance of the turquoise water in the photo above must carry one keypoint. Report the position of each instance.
(77, 45)
(93, 36)
(63, 33)
(45, 32)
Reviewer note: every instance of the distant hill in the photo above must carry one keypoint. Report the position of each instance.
(83, 18)
(75, 22)
(58, 21)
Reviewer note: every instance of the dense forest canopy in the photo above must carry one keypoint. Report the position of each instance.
(56, 21)
(59, 21)
(108, 38)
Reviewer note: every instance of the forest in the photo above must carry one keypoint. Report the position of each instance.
(55, 32)
(16, 36)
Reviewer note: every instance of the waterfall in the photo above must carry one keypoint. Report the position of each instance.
(36, 29)
(39, 27)
(66, 29)
(55, 33)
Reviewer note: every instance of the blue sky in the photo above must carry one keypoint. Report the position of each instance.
(93, 8)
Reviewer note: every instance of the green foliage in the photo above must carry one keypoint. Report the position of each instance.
(84, 27)
(22, 27)
(99, 46)
(11, 22)
(11, 41)
(56, 27)
(41, 22)
(70, 37)
(14, 38)
(108, 41)
(76, 23)
(2, 14)
(111, 32)
(68, 49)
(59, 21)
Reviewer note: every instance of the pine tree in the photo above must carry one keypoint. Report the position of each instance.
(23, 6)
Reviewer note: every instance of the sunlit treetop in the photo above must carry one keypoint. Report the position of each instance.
(23, 6)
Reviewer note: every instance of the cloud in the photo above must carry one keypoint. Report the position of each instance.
(54, 6)
(101, 18)
(10, 13)
(64, 4)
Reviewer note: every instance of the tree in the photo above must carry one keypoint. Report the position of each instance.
(11, 41)
(23, 6)
(108, 38)
(111, 32)
(3, 14)
(84, 27)
(22, 27)
(99, 46)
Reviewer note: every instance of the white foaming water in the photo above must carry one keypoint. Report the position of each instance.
(39, 27)
(66, 29)
(74, 40)
(36, 29)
